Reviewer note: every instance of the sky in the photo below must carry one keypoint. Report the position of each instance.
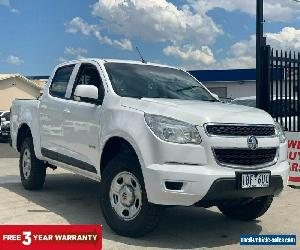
(193, 34)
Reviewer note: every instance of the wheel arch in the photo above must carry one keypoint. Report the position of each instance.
(24, 131)
(116, 145)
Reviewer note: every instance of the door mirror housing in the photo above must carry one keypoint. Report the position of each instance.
(87, 93)
(3, 120)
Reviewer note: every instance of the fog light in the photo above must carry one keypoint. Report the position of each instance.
(173, 185)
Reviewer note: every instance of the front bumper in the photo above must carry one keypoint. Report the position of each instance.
(205, 183)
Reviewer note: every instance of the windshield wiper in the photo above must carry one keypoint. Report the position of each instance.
(213, 100)
(186, 88)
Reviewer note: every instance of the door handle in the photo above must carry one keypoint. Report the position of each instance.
(67, 111)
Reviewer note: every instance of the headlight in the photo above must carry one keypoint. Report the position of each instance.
(172, 130)
(279, 132)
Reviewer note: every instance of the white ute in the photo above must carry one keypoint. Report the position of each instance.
(155, 137)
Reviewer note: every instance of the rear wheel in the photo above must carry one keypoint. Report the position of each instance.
(32, 170)
(247, 210)
(123, 198)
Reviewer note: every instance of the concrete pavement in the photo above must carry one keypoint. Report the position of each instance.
(71, 199)
(6, 151)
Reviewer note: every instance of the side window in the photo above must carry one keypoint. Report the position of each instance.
(88, 75)
(60, 81)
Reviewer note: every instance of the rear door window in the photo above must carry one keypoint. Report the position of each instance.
(60, 81)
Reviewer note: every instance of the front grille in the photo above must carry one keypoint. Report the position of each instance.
(245, 157)
(240, 130)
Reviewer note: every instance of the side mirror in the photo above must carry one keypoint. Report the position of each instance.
(87, 93)
(3, 120)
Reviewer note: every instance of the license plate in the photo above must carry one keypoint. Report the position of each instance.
(4, 133)
(253, 180)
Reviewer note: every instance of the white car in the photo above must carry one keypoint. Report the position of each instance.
(285, 110)
(155, 137)
(4, 125)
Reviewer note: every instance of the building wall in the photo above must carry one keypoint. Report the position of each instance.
(241, 89)
(13, 88)
(234, 89)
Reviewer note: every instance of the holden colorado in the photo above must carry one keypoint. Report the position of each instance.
(155, 137)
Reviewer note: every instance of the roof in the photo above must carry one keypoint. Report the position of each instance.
(26, 80)
(228, 75)
(105, 60)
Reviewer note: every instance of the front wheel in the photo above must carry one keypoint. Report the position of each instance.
(246, 210)
(123, 198)
(32, 170)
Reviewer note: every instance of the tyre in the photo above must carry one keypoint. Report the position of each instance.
(123, 198)
(32, 170)
(247, 210)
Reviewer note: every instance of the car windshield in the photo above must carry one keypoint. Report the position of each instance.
(145, 81)
(249, 102)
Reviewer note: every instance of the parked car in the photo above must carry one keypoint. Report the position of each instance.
(155, 137)
(4, 125)
(284, 110)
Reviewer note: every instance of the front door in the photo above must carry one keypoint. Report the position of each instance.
(81, 126)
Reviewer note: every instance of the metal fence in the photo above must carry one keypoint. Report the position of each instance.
(282, 75)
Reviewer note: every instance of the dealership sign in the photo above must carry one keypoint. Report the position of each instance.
(44, 237)
(294, 157)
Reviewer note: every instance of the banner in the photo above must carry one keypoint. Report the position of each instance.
(44, 237)
(294, 157)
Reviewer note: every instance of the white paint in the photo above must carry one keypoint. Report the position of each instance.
(86, 124)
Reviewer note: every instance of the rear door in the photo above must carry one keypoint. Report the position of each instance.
(81, 124)
(52, 109)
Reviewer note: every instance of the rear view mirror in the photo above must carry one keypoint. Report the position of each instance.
(87, 93)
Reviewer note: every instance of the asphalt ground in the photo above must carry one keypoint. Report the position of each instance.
(71, 199)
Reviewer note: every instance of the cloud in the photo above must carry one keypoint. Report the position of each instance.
(185, 30)
(274, 10)
(190, 54)
(288, 39)
(156, 21)
(244, 47)
(16, 11)
(242, 62)
(124, 44)
(5, 3)
(187, 33)
(243, 53)
(14, 60)
(62, 59)
(71, 53)
(77, 52)
(78, 25)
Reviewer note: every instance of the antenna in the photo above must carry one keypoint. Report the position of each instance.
(142, 58)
